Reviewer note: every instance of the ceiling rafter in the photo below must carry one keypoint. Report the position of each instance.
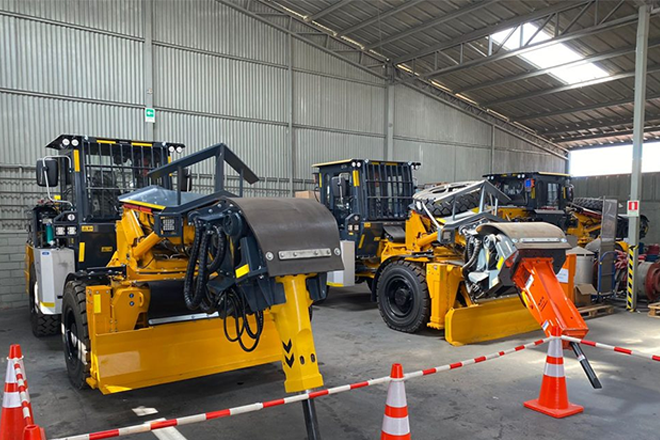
(432, 23)
(489, 30)
(377, 18)
(322, 13)
(600, 56)
(594, 125)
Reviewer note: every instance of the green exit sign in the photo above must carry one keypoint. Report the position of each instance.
(150, 115)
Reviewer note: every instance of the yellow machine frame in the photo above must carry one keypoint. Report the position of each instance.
(127, 353)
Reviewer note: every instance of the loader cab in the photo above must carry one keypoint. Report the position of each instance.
(73, 227)
(544, 191)
(368, 198)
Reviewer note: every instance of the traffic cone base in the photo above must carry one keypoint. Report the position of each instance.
(553, 398)
(556, 413)
(33, 432)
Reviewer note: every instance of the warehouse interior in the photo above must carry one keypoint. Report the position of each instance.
(424, 176)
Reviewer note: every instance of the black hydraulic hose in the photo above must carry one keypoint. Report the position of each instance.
(586, 366)
(473, 259)
(202, 272)
(188, 283)
(220, 250)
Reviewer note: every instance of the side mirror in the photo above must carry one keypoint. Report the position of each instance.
(339, 186)
(184, 180)
(47, 172)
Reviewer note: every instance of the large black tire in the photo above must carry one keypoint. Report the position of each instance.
(444, 208)
(75, 334)
(403, 296)
(321, 301)
(593, 203)
(42, 325)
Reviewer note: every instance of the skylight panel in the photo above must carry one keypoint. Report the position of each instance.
(549, 56)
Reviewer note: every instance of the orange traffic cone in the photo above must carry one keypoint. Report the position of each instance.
(395, 421)
(13, 419)
(553, 400)
(33, 432)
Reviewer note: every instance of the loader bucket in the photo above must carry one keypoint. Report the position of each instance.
(487, 321)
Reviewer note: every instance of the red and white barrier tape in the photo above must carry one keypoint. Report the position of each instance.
(621, 350)
(152, 426)
(22, 390)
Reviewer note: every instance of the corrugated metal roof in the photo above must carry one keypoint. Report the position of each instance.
(413, 31)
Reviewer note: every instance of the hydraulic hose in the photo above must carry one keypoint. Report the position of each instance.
(189, 280)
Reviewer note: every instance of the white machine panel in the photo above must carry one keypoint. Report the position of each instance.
(52, 267)
(346, 277)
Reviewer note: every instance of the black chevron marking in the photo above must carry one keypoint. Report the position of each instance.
(287, 347)
(290, 362)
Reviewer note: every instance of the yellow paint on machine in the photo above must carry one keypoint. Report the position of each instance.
(102, 141)
(106, 249)
(76, 161)
(334, 284)
(87, 228)
(81, 252)
(487, 321)
(46, 304)
(128, 360)
(356, 178)
(361, 242)
(140, 144)
(242, 271)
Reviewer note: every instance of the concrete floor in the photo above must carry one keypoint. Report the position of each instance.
(478, 402)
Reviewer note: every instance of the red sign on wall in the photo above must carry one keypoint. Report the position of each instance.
(633, 208)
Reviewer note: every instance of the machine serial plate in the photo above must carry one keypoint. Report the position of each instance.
(305, 253)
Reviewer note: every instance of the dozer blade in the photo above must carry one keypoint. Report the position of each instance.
(487, 321)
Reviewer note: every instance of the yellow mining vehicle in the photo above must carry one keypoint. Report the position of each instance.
(198, 283)
(418, 252)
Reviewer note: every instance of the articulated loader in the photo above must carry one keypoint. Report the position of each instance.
(439, 261)
(198, 283)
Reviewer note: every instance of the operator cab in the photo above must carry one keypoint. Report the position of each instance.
(369, 199)
(545, 196)
(73, 227)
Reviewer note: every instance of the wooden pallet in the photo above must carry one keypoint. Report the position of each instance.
(596, 310)
(654, 310)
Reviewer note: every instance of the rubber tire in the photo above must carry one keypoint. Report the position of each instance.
(321, 301)
(74, 311)
(592, 203)
(414, 276)
(42, 325)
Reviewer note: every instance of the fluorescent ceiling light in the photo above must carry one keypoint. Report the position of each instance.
(549, 56)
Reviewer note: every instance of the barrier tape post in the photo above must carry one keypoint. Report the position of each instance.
(197, 418)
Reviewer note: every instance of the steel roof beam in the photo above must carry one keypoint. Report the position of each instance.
(322, 13)
(595, 125)
(534, 73)
(605, 135)
(580, 85)
(484, 32)
(377, 18)
(584, 108)
(432, 23)
(562, 38)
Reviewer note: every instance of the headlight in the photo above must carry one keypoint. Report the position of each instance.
(353, 164)
(71, 230)
(66, 142)
(71, 217)
(60, 230)
(75, 142)
(171, 148)
(359, 164)
(179, 149)
(168, 224)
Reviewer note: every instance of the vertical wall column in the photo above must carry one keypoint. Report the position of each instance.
(492, 149)
(290, 137)
(638, 141)
(147, 65)
(389, 122)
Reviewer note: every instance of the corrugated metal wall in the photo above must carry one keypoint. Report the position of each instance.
(80, 67)
(618, 187)
(455, 146)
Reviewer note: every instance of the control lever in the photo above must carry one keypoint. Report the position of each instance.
(586, 366)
